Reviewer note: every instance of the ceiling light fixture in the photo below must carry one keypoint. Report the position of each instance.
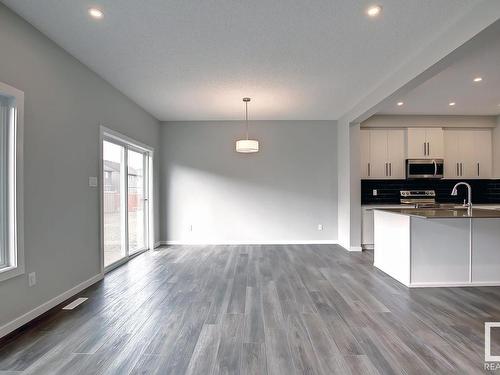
(400, 104)
(452, 104)
(374, 10)
(478, 79)
(247, 146)
(96, 13)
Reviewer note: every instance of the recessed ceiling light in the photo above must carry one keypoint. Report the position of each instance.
(400, 104)
(96, 13)
(374, 10)
(452, 104)
(478, 79)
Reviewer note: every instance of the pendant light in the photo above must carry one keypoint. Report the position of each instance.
(247, 146)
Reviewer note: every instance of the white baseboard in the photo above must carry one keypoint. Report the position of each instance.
(272, 242)
(351, 248)
(454, 284)
(37, 311)
(158, 244)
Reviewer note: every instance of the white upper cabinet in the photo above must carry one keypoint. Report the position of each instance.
(425, 143)
(483, 153)
(396, 153)
(417, 143)
(468, 153)
(452, 156)
(382, 153)
(364, 145)
(378, 154)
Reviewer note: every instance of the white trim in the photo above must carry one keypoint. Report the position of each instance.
(17, 232)
(452, 284)
(158, 244)
(37, 311)
(100, 183)
(271, 242)
(123, 139)
(356, 248)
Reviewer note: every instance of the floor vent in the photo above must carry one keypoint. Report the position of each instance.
(75, 303)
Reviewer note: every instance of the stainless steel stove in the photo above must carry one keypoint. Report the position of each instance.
(418, 198)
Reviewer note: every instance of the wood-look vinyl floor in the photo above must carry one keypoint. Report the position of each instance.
(291, 309)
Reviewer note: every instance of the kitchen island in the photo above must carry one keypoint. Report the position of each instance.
(438, 247)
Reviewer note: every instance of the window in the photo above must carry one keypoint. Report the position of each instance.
(4, 121)
(11, 251)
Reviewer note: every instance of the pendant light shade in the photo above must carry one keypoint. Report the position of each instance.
(247, 146)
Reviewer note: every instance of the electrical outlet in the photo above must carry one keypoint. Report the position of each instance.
(320, 226)
(375, 192)
(93, 181)
(32, 279)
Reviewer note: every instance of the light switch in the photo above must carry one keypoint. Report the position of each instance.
(32, 279)
(93, 181)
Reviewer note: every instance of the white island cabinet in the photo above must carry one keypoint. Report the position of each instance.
(438, 248)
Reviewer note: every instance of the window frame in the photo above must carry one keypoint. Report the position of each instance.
(15, 252)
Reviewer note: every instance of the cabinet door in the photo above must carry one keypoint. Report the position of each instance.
(483, 153)
(467, 155)
(451, 154)
(435, 143)
(364, 145)
(396, 153)
(378, 153)
(416, 143)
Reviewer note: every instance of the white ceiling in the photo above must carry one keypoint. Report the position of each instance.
(195, 60)
(455, 83)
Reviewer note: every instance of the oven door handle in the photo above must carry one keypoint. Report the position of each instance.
(435, 168)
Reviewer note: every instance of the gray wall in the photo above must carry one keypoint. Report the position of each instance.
(64, 102)
(496, 150)
(281, 193)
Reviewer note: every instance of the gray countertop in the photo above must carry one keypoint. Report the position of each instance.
(457, 213)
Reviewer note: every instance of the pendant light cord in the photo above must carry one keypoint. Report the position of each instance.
(246, 116)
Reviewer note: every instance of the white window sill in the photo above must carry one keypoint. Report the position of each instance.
(10, 272)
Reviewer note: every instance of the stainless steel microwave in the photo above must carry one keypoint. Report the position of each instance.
(424, 168)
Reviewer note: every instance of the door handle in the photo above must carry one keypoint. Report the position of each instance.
(478, 174)
(390, 169)
(461, 169)
(385, 169)
(458, 171)
(369, 170)
(428, 149)
(425, 149)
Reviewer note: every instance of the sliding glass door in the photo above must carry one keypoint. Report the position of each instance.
(125, 205)
(115, 248)
(137, 201)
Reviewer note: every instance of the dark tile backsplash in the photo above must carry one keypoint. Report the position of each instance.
(483, 191)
